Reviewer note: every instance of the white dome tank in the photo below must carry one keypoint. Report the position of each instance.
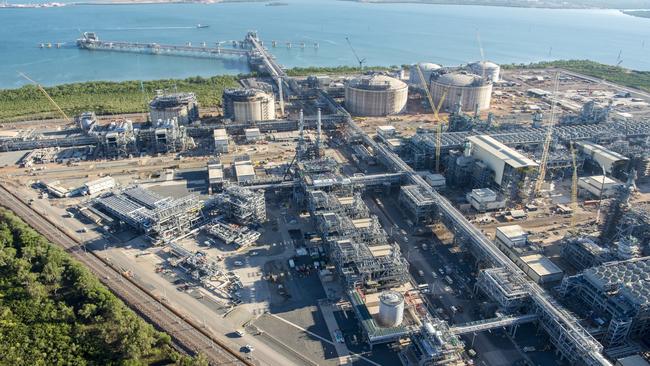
(492, 71)
(427, 69)
(391, 308)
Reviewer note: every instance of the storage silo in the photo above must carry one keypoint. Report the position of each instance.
(375, 95)
(245, 105)
(491, 70)
(462, 87)
(391, 308)
(427, 69)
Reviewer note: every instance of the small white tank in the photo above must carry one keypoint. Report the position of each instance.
(391, 308)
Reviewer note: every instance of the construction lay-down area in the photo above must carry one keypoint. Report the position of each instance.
(434, 215)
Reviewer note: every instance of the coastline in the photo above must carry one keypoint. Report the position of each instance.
(503, 4)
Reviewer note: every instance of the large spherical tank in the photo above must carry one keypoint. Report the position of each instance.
(467, 89)
(375, 95)
(491, 70)
(391, 308)
(427, 69)
(244, 105)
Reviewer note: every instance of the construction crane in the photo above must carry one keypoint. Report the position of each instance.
(547, 142)
(436, 117)
(65, 116)
(359, 60)
(480, 47)
(574, 187)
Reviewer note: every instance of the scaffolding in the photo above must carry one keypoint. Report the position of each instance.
(501, 286)
(242, 205)
(232, 234)
(419, 203)
(160, 218)
(618, 291)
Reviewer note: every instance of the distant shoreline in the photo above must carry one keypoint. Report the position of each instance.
(551, 4)
(637, 13)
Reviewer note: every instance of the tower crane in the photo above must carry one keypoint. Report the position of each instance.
(65, 116)
(574, 187)
(436, 117)
(547, 142)
(359, 60)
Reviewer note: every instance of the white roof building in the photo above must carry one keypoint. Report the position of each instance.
(498, 156)
(604, 157)
(599, 184)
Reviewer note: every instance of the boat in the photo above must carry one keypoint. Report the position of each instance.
(202, 25)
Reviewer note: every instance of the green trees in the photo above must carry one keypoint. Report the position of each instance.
(53, 311)
(105, 97)
(615, 74)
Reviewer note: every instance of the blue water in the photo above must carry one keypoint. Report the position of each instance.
(386, 34)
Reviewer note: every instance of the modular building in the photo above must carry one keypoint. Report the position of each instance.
(99, 185)
(253, 134)
(485, 199)
(598, 185)
(221, 141)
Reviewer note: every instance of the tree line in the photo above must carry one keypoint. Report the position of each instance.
(53, 311)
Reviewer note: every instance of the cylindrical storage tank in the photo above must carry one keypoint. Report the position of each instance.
(245, 105)
(375, 95)
(467, 89)
(391, 308)
(491, 70)
(427, 69)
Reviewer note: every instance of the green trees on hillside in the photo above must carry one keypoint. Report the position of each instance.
(53, 311)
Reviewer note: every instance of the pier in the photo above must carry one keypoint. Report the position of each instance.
(91, 41)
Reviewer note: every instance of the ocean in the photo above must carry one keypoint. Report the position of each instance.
(383, 34)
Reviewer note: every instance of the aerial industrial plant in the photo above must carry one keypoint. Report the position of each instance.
(431, 215)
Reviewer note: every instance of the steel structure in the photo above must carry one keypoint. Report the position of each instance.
(160, 218)
(568, 336)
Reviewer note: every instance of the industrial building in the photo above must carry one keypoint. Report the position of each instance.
(160, 218)
(241, 205)
(490, 70)
(248, 105)
(485, 199)
(618, 292)
(427, 69)
(183, 107)
(98, 185)
(599, 185)
(469, 91)
(215, 176)
(165, 136)
(253, 134)
(244, 171)
(610, 161)
(375, 95)
(418, 203)
(221, 141)
(506, 163)
(584, 253)
(512, 240)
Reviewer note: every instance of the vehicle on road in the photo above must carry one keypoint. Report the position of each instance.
(247, 348)
(338, 336)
